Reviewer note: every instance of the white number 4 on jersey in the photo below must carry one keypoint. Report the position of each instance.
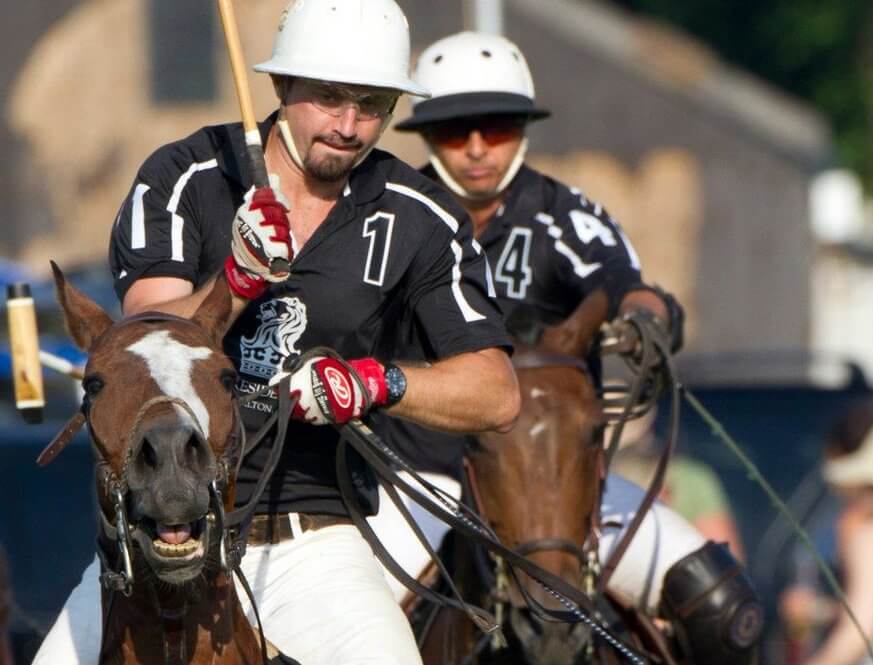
(588, 227)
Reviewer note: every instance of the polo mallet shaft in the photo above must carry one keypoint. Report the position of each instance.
(61, 365)
(24, 346)
(254, 147)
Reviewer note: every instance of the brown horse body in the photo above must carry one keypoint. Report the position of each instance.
(537, 487)
(162, 418)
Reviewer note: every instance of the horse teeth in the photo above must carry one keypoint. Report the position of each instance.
(170, 550)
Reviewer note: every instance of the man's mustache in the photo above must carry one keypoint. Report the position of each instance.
(339, 142)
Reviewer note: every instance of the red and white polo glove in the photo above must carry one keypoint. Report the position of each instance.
(327, 391)
(260, 234)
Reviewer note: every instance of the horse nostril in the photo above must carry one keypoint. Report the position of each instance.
(149, 454)
(194, 449)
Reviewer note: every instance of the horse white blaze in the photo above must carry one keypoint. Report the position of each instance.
(170, 363)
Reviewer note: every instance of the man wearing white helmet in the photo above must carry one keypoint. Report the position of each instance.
(374, 249)
(550, 247)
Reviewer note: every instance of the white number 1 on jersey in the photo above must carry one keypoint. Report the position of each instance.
(378, 229)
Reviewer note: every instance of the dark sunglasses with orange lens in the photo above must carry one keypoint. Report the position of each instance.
(494, 129)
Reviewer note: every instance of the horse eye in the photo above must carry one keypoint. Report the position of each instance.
(92, 385)
(228, 379)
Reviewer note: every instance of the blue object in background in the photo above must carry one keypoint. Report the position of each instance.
(47, 515)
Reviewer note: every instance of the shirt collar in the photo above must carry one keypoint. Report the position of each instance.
(368, 180)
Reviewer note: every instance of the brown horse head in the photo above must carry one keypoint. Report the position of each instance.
(159, 404)
(539, 483)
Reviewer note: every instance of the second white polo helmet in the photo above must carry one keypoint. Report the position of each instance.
(472, 73)
(360, 42)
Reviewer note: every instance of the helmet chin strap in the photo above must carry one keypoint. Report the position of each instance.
(456, 187)
(288, 140)
(291, 145)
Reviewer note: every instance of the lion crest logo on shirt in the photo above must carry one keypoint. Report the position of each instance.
(282, 322)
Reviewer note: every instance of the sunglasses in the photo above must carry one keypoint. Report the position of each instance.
(493, 129)
(334, 99)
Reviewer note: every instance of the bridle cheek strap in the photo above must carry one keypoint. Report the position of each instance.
(62, 439)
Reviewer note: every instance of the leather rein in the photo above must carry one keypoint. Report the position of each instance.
(385, 463)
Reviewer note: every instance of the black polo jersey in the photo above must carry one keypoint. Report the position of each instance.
(549, 247)
(394, 259)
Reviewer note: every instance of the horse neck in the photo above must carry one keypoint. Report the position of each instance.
(198, 625)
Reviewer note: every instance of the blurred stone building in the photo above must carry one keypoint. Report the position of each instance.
(706, 168)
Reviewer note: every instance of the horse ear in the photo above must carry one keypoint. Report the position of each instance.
(85, 319)
(213, 314)
(576, 333)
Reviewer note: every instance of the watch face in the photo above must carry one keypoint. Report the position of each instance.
(395, 381)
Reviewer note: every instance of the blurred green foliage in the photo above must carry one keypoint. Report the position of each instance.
(818, 50)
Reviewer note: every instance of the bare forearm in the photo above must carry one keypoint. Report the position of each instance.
(172, 296)
(471, 392)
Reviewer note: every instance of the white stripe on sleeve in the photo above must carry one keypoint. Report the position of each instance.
(489, 277)
(581, 268)
(137, 218)
(450, 221)
(467, 310)
(173, 205)
(469, 313)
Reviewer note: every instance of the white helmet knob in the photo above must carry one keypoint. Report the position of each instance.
(360, 42)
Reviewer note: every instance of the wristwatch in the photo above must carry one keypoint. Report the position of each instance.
(395, 381)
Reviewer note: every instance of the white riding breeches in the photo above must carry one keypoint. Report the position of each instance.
(400, 541)
(322, 598)
(664, 537)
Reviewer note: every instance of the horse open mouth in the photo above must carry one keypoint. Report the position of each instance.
(174, 548)
(178, 541)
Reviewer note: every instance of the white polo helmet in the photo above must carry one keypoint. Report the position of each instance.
(470, 74)
(473, 74)
(855, 468)
(360, 42)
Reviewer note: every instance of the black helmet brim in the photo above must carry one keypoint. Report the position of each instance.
(468, 104)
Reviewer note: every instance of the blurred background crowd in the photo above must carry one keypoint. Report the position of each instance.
(732, 140)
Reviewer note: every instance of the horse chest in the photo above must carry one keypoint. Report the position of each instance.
(189, 636)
